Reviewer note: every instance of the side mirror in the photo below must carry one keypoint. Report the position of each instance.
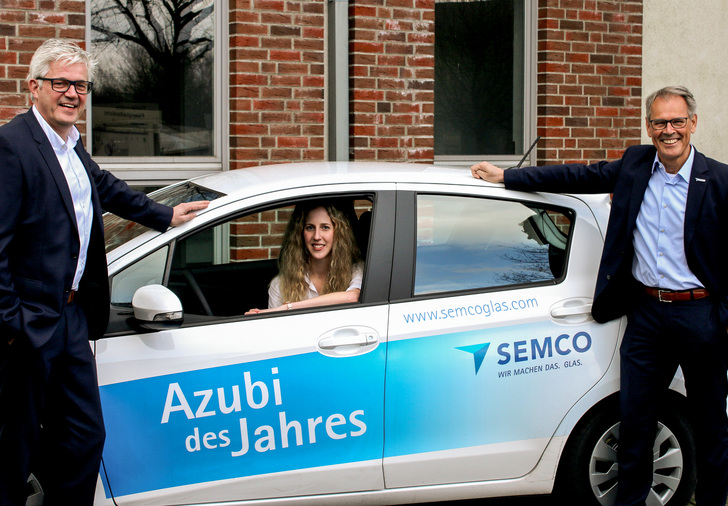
(157, 308)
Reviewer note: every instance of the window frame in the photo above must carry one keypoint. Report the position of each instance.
(405, 253)
(529, 106)
(223, 234)
(446, 201)
(377, 263)
(162, 170)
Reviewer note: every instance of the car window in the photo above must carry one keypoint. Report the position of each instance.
(118, 231)
(226, 270)
(147, 271)
(466, 243)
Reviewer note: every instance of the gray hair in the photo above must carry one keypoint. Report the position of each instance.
(672, 91)
(53, 50)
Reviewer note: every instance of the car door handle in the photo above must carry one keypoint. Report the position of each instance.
(562, 312)
(348, 338)
(359, 339)
(575, 310)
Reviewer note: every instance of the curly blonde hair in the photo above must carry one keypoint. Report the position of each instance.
(293, 262)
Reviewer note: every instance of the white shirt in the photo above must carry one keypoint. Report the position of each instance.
(274, 292)
(78, 184)
(659, 237)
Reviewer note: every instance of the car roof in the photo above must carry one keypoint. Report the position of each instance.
(306, 173)
(239, 184)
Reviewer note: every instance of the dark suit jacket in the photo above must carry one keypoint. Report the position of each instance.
(706, 220)
(39, 243)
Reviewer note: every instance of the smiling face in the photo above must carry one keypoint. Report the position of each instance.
(60, 110)
(318, 234)
(673, 145)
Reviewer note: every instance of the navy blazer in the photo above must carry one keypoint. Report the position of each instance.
(706, 220)
(39, 243)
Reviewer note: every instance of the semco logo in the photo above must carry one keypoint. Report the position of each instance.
(533, 349)
(478, 351)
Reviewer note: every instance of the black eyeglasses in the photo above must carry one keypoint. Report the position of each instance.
(661, 124)
(63, 85)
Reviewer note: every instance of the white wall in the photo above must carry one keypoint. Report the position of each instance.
(686, 43)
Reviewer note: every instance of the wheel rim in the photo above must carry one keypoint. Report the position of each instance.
(667, 467)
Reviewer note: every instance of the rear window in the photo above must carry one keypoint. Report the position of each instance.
(466, 243)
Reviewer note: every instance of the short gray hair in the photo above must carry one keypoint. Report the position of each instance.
(672, 91)
(54, 50)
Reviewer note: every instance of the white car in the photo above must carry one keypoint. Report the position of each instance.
(471, 366)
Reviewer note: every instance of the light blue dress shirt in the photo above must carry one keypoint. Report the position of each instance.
(659, 239)
(79, 185)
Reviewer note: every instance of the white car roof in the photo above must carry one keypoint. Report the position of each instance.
(307, 173)
(239, 183)
(243, 183)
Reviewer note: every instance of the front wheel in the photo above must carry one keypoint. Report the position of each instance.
(588, 473)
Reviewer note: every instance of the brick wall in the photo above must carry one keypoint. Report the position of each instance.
(589, 79)
(392, 72)
(24, 25)
(276, 81)
(589, 76)
(259, 235)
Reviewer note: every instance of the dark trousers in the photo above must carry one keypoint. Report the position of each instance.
(659, 337)
(50, 416)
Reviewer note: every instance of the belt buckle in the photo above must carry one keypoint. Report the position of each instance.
(659, 295)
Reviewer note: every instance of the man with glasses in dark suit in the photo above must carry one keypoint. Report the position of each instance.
(664, 266)
(54, 293)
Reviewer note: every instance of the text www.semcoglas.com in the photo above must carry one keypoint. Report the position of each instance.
(475, 310)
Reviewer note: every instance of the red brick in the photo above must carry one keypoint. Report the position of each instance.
(292, 142)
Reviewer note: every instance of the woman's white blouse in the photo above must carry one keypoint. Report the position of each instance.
(274, 291)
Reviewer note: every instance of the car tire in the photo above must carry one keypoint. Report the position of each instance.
(588, 471)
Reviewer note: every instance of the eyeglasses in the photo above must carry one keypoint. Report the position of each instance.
(661, 124)
(63, 85)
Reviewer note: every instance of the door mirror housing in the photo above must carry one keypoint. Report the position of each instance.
(157, 308)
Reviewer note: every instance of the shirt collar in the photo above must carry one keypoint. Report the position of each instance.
(684, 171)
(56, 141)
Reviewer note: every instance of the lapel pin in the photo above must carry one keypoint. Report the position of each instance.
(699, 180)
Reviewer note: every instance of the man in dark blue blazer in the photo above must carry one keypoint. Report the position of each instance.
(663, 265)
(54, 293)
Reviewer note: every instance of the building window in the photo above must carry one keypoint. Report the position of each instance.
(156, 95)
(483, 79)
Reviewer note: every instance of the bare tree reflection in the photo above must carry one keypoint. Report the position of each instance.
(156, 54)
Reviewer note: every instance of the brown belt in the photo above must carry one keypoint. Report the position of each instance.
(680, 295)
(71, 296)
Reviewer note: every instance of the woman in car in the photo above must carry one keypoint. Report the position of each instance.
(319, 261)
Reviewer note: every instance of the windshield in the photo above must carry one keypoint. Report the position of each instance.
(118, 230)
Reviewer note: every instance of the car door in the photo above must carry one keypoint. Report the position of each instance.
(491, 336)
(232, 406)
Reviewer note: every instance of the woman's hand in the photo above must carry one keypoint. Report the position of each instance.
(255, 310)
